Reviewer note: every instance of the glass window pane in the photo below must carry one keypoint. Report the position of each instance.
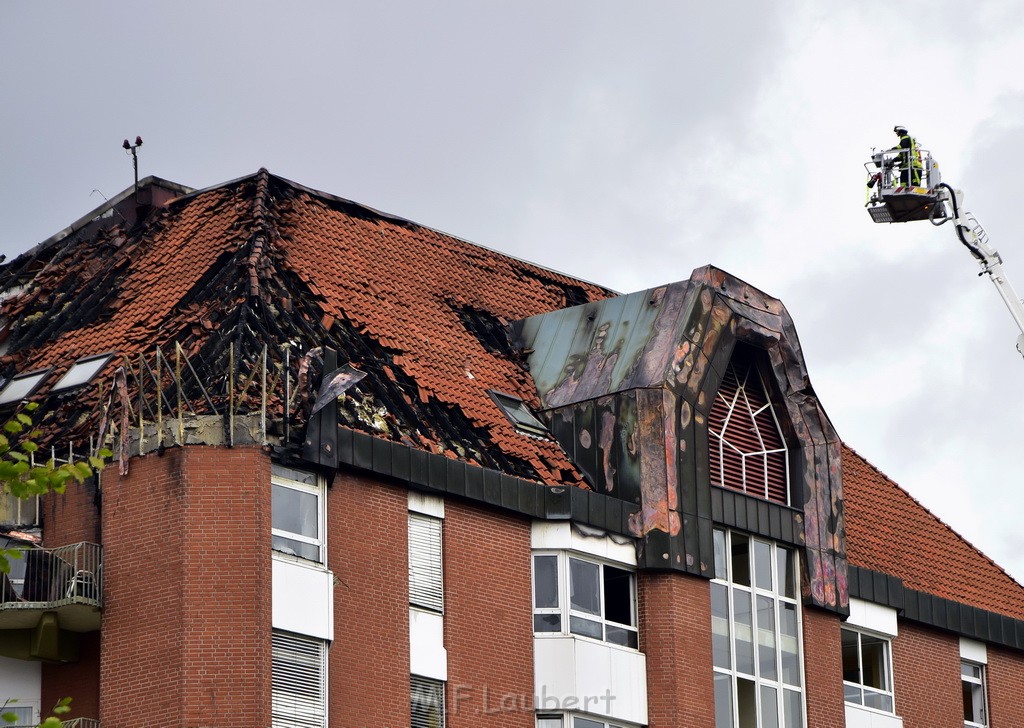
(762, 564)
(878, 701)
(621, 636)
(744, 631)
(584, 594)
(549, 721)
(80, 373)
(789, 644)
(740, 560)
(721, 557)
(746, 703)
(974, 702)
(853, 694)
(723, 700)
(851, 656)
(766, 654)
(545, 581)
(787, 572)
(720, 642)
(769, 707)
(618, 595)
(586, 627)
(874, 662)
(295, 511)
(301, 549)
(586, 723)
(302, 476)
(547, 623)
(20, 387)
(968, 669)
(793, 709)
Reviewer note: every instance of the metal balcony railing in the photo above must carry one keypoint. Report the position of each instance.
(51, 578)
(81, 723)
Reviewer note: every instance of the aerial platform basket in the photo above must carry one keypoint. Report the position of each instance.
(899, 194)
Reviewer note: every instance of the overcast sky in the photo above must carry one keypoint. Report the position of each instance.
(623, 143)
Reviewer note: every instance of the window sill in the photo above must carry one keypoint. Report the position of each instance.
(298, 561)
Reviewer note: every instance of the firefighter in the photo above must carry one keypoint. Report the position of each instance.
(909, 159)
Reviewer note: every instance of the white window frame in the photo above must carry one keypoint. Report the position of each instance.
(978, 682)
(72, 378)
(426, 562)
(849, 685)
(418, 684)
(299, 700)
(548, 719)
(279, 478)
(724, 583)
(564, 609)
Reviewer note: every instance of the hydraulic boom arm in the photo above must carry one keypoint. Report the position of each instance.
(975, 239)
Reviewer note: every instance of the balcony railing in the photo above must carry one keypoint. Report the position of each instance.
(67, 580)
(81, 723)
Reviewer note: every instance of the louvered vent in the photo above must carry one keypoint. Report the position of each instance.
(748, 453)
(299, 679)
(426, 587)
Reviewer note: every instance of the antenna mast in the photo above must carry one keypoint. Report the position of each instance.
(129, 147)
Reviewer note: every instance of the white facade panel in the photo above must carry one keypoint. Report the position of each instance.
(427, 655)
(973, 651)
(21, 680)
(565, 536)
(591, 677)
(858, 717)
(428, 505)
(872, 617)
(303, 598)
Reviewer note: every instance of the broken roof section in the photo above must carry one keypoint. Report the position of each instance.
(261, 260)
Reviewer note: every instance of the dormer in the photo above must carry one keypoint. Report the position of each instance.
(691, 401)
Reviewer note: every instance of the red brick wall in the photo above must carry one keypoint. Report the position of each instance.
(1005, 672)
(488, 621)
(926, 673)
(823, 668)
(72, 516)
(368, 552)
(675, 634)
(186, 627)
(78, 680)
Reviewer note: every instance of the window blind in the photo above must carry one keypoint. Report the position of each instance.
(426, 588)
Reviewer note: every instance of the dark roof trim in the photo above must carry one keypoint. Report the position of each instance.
(430, 472)
(757, 516)
(933, 611)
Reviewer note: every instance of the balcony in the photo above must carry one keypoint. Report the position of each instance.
(81, 723)
(66, 581)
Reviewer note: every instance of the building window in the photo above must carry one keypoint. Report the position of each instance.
(299, 678)
(519, 414)
(572, 595)
(746, 447)
(426, 703)
(298, 513)
(426, 584)
(972, 678)
(755, 634)
(867, 670)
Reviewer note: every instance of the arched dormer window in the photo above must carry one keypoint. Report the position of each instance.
(747, 450)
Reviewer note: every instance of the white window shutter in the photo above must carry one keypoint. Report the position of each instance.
(426, 587)
(299, 681)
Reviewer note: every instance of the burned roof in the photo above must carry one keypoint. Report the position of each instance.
(261, 260)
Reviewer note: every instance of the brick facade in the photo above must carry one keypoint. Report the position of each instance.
(926, 674)
(367, 545)
(1005, 672)
(675, 634)
(488, 619)
(186, 626)
(823, 668)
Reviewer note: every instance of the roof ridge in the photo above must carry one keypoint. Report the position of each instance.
(927, 510)
(261, 230)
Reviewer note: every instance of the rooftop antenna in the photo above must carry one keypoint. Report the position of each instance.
(129, 147)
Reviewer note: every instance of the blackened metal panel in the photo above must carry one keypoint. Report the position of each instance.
(509, 492)
(954, 620)
(624, 461)
(475, 484)
(706, 561)
(345, 438)
(763, 519)
(686, 456)
(381, 451)
(362, 451)
(456, 473)
(437, 472)
(717, 506)
(419, 467)
(492, 487)
(585, 443)
(400, 459)
(880, 587)
(579, 503)
(596, 504)
(775, 516)
(531, 499)
(557, 505)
